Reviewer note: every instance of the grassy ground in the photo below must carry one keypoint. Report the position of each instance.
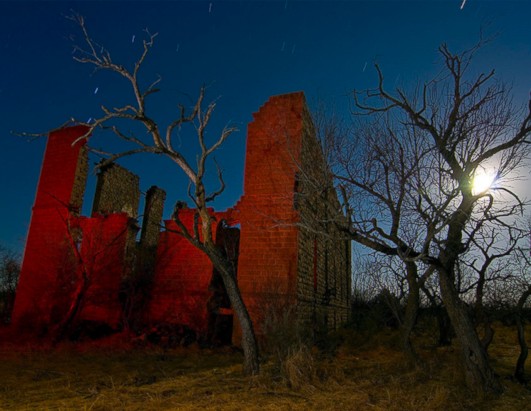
(362, 374)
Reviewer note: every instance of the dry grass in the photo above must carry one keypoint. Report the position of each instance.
(364, 374)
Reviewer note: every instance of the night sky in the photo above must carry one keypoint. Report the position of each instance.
(244, 51)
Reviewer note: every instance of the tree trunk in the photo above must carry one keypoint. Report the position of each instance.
(59, 331)
(519, 372)
(443, 321)
(411, 314)
(481, 315)
(479, 374)
(251, 365)
(446, 332)
(488, 334)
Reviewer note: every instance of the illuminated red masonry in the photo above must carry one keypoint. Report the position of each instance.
(283, 265)
(268, 258)
(37, 301)
(184, 279)
(286, 263)
(74, 267)
(103, 257)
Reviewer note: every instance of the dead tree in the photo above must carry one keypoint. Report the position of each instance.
(363, 156)
(9, 273)
(521, 288)
(160, 141)
(519, 371)
(407, 174)
(79, 270)
(488, 265)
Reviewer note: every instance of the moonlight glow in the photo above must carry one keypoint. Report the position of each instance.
(483, 181)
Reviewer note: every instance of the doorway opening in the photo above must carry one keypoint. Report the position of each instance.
(220, 314)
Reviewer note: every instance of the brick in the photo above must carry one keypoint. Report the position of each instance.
(270, 234)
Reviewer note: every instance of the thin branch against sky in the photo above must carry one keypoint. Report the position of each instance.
(244, 51)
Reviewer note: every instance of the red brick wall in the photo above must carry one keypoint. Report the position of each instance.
(182, 277)
(180, 284)
(103, 260)
(276, 264)
(44, 255)
(267, 265)
(52, 267)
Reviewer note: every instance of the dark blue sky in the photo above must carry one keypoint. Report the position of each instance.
(245, 51)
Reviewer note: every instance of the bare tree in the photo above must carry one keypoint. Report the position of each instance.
(360, 157)
(488, 263)
(9, 273)
(521, 287)
(519, 371)
(160, 141)
(407, 177)
(78, 272)
(431, 292)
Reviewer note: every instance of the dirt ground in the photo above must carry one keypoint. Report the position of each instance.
(360, 374)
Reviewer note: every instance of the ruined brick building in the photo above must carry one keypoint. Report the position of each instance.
(93, 269)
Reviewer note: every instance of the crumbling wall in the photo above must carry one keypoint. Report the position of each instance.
(183, 273)
(117, 191)
(153, 210)
(267, 265)
(281, 236)
(291, 254)
(324, 280)
(104, 262)
(137, 288)
(80, 181)
(59, 193)
(75, 264)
